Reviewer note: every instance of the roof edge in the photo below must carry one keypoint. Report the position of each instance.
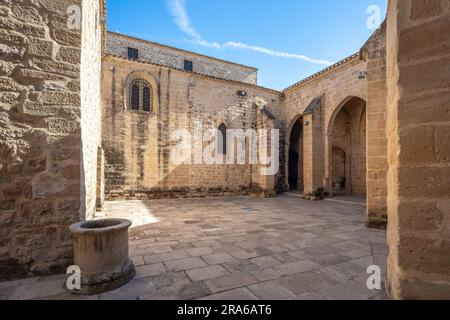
(324, 71)
(181, 50)
(200, 75)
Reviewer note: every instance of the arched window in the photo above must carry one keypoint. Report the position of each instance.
(141, 96)
(222, 145)
(135, 97)
(147, 99)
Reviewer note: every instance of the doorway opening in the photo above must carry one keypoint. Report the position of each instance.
(348, 154)
(296, 157)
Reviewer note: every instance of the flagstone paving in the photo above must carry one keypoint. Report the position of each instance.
(238, 248)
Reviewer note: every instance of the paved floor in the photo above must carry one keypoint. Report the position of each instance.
(238, 248)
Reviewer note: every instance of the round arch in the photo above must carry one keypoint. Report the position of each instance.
(144, 76)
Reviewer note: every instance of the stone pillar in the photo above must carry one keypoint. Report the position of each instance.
(418, 127)
(374, 53)
(313, 151)
(308, 154)
(263, 179)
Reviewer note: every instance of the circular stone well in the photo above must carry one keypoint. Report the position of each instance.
(101, 253)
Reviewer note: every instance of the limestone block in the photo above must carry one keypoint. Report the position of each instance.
(6, 68)
(12, 37)
(27, 76)
(8, 84)
(421, 216)
(56, 67)
(40, 47)
(66, 38)
(69, 54)
(9, 97)
(60, 125)
(46, 185)
(61, 149)
(74, 85)
(426, 255)
(11, 52)
(51, 86)
(419, 43)
(26, 13)
(61, 98)
(33, 30)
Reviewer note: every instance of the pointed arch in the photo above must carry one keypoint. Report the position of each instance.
(222, 143)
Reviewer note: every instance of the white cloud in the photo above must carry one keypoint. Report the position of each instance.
(178, 10)
(276, 53)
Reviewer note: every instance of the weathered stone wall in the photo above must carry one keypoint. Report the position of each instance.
(40, 135)
(374, 51)
(138, 145)
(418, 126)
(118, 44)
(336, 85)
(91, 67)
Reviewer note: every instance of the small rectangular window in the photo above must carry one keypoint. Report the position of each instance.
(188, 65)
(133, 53)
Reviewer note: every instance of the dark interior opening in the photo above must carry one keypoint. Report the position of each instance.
(296, 157)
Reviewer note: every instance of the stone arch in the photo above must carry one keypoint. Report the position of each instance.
(221, 145)
(153, 84)
(287, 149)
(312, 111)
(338, 108)
(292, 123)
(354, 108)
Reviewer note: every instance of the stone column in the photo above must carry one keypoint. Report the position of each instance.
(308, 154)
(313, 154)
(418, 127)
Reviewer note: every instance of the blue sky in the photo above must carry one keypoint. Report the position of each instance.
(287, 40)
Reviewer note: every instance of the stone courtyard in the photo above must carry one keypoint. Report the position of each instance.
(89, 116)
(238, 248)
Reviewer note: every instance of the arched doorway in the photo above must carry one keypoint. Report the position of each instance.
(296, 156)
(348, 148)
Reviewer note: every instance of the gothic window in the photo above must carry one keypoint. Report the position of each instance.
(222, 145)
(135, 97)
(146, 99)
(141, 96)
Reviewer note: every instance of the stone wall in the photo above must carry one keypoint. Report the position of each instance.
(117, 44)
(138, 145)
(40, 135)
(418, 126)
(374, 51)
